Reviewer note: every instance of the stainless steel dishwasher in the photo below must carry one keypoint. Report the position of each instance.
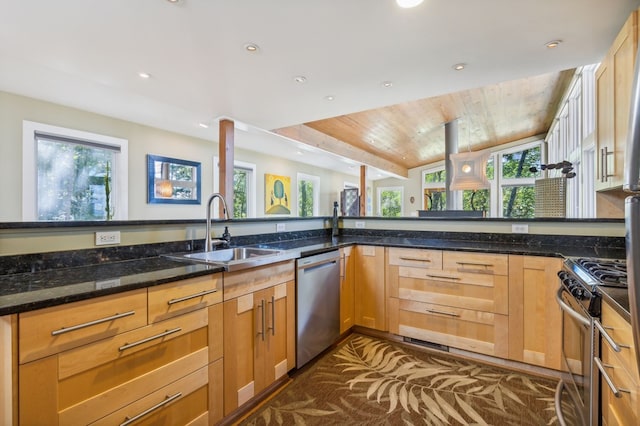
(317, 304)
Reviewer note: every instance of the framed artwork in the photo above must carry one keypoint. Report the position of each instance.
(172, 181)
(277, 192)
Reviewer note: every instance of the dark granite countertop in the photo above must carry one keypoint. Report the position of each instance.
(618, 299)
(20, 292)
(29, 291)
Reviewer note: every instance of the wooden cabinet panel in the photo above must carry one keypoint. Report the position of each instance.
(620, 332)
(614, 79)
(178, 403)
(347, 276)
(419, 258)
(176, 298)
(8, 370)
(51, 330)
(476, 263)
(244, 282)
(475, 331)
(259, 340)
(534, 316)
(370, 290)
(626, 409)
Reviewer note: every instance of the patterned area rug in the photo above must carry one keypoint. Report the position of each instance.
(376, 382)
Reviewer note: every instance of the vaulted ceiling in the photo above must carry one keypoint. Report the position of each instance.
(372, 71)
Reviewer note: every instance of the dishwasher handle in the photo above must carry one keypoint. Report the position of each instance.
(316, 266)
(306, 263)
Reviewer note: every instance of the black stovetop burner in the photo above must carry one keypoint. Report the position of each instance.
(608, 273)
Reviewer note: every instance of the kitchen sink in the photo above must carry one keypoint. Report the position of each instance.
(237, 258)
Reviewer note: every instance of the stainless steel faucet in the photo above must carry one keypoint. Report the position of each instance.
(208, 241)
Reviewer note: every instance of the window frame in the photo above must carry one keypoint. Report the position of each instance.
(120, 168)
(251, 186)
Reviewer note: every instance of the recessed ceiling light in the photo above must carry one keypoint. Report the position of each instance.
(553, 43)
(459, 67)
(372, 142)
(408, 3)
(174, 1)
(300, 79)
(144, 75)
(251, 47)
(387, 83)
(300, 153)
(203, 125)
(329, 98)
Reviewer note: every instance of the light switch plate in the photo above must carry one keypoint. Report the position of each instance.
(360, 224)
(280, 227)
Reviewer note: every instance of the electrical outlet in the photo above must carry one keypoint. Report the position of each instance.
(280, 227)
(106, 238)
(360, 224)
(519, 229)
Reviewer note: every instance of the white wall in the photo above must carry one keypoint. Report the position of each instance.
(143, 140)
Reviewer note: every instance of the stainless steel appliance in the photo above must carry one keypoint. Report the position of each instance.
(632, 209)
(577, 395)
(317, 304)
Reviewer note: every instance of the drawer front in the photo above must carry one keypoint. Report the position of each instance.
(417, 258)
(52, 330)
(178, 403)
(478, 263)
(487, 298)
(626, 409)
(176, 298)
(240, 283)
(467, 329)
(620, 332)
(149, 339)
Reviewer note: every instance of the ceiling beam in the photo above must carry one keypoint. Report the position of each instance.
(309, 136)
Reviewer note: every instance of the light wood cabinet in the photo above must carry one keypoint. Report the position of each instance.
(85, 362)
(259, 331)
(622, 369)
(614, 78)
(534, 315)
(8, 370)
(347, 291)
(370, 292)
(457, 299)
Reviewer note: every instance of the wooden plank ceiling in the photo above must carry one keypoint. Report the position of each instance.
(408, 135)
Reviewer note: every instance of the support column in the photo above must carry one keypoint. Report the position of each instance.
(363, 190)
(225, 152)
(450, 147)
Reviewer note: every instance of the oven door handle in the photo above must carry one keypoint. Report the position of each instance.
(558, 403)
(586, 321)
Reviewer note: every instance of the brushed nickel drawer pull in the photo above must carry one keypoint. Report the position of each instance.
(273, 316)
(614, 389)
(606, 336)
(486, 265)
(621, 345)
(450, 314)
(417, 259)
(168, 399)
(445, 277)
(193, 296)
(148, 339)
(90, 323)
(263, 317)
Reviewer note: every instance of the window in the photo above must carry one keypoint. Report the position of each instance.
(517, 180)
(244, 189)
(69, 175)
(308, 195)
(433, 189)
(390, 201)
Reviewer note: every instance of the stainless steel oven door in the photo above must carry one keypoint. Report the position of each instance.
(577, 359)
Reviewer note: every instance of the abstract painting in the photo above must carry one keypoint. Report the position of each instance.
(277, 192)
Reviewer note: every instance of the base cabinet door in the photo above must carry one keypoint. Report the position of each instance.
(259, 341)
(370, 292)
(535, 335)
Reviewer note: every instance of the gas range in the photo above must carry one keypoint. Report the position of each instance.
(581, 277)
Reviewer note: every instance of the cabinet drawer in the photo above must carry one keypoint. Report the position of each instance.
(418, 258)
(51, 330)
(178, 403)
(467, 329)
(489, 296)
(626, 409)
(178, 297)
(478, 263)
(620, 332)
(240, 283)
